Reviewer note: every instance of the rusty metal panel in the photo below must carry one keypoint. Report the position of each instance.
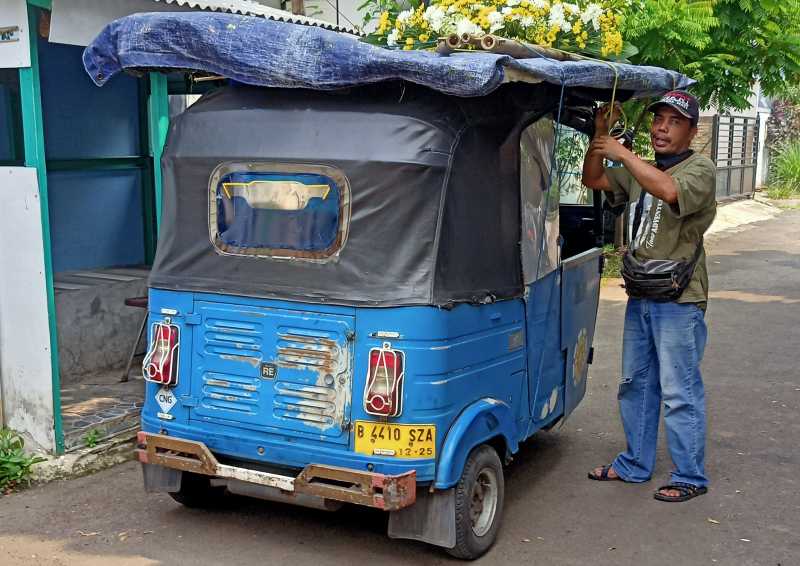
(268, 368)
(195, 457)
(361, 488)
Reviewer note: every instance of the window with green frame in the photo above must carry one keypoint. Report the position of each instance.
(12, 151)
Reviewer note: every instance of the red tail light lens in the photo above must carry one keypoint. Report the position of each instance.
(161, 362)
(383, 395)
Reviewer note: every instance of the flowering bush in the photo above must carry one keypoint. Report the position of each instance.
(592, 28)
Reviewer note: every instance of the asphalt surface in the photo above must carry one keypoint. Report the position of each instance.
(553, 514)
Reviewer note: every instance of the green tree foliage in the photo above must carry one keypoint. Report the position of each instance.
(726, 45)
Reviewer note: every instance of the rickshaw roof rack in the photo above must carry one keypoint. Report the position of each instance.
(263, 52)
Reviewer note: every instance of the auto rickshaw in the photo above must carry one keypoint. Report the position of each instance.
(365, 294)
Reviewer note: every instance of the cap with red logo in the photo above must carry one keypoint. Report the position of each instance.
(683, 102)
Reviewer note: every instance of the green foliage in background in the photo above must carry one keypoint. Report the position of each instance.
(784, 177)
(15, 464)
(726, 45)
(612, 265)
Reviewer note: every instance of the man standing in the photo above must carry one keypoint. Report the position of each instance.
(664, 339)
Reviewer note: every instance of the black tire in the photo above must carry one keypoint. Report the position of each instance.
(197, 493)
(476, 534)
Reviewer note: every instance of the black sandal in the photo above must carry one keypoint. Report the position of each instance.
(687, 492)
(603, 475)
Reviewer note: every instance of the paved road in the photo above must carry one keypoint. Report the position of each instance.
(553, 514)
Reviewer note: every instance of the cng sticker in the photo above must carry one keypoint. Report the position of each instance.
(166, 399)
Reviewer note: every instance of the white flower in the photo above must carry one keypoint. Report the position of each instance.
(391, 39)
(435, 16)
(496, 21)
(513, 3)
(539, 4)
(592, 13)
(526, 21)
(557, 16)
(404, 16)
(464, 25)
(507, 10)
(572, 8)
(566, 27)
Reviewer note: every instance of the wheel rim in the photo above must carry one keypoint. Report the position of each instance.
(483, 501)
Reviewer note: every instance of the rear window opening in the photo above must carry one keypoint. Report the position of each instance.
(278, 210)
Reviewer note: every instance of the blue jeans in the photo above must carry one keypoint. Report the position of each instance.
(661, 354)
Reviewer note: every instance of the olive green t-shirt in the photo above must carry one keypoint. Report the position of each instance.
(673, 231)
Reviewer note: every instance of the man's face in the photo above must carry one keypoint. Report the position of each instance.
(672, 132)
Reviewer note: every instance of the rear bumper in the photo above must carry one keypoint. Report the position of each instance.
(381, 491)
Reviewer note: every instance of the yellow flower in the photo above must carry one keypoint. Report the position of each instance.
(410, 41)
(383, 23)
(424, 37)
(408, 47)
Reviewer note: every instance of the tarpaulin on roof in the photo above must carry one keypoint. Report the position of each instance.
(263, 52)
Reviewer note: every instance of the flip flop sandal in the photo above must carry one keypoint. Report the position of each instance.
(687, 492)
(603, 475)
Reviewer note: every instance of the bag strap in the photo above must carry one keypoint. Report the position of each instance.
(637, 218)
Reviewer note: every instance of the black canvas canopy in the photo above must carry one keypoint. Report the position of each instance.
(434, 191)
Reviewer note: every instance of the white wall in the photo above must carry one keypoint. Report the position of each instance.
(25, 371)
(15, 52)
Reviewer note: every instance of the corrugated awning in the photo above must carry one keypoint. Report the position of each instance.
(77, 22)
(251, 8)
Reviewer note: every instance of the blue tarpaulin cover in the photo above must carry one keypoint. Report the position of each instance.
(263, 52)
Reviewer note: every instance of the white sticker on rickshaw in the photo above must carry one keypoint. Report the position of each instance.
(166, 399)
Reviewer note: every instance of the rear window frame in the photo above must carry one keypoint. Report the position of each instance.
(280, 168)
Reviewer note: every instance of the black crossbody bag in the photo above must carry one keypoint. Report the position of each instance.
(659, 280)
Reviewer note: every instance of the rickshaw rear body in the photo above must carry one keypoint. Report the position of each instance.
(439, 318)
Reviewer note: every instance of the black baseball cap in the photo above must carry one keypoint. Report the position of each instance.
(681, 101)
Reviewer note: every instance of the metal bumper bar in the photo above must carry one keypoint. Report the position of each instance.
(339, 484)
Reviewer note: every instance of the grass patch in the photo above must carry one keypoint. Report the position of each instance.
(612, 267)
(782, 192)
(15, 464)
(784, 178)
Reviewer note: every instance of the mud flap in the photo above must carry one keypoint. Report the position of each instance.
(158, 479)
(432, 519)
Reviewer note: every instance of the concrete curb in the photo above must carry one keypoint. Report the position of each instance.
(113, 451)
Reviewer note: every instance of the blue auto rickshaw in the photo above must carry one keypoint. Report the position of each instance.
(367, 294)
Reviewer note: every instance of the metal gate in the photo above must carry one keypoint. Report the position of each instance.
(734, 149)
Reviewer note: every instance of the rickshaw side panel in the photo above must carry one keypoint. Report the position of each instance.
(580, 291)
(545, 359)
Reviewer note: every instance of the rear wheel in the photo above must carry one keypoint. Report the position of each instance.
(479, 497)
(197, 492)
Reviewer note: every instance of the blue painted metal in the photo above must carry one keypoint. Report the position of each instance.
(479, 423)
(111, 203)
(454, 358)
(545, 359)
(580, 297)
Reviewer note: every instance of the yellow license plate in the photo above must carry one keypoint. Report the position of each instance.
(396, 440)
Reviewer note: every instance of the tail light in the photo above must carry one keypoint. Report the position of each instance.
(161, 362)
(383, 394)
